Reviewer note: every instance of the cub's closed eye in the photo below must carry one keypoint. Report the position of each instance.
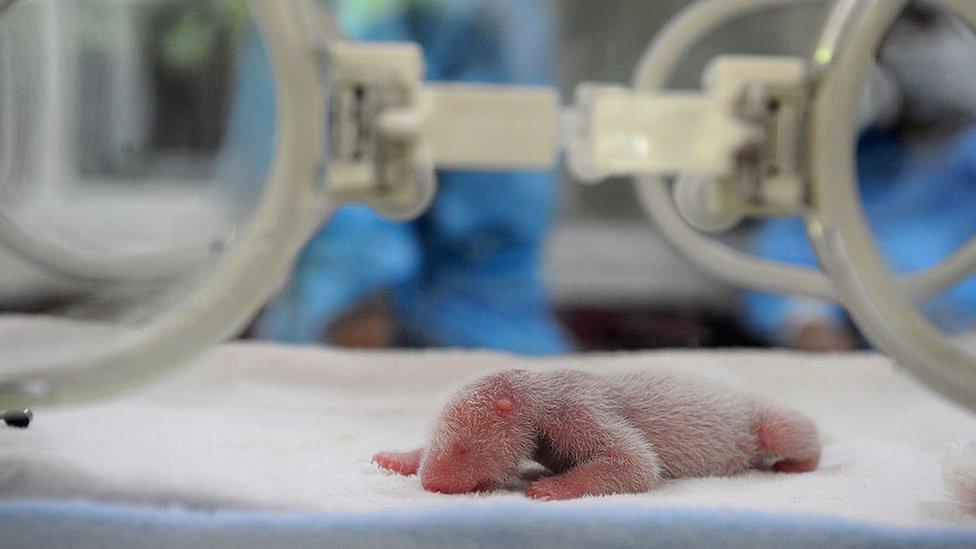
(460, 449)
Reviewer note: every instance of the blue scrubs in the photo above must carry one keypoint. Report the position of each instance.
(467, 274)
(920, 200)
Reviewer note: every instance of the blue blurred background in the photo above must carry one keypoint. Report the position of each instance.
(524, 262)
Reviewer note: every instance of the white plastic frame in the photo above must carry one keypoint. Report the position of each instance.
(293, 205)
(856, 274)
(838, 226)
(723, 261)
(517, 127)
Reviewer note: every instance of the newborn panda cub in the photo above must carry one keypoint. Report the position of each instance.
(602, 434)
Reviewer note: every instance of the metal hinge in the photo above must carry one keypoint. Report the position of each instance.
(389, 130)
(366, 164)
(744, 133)
(770, 175)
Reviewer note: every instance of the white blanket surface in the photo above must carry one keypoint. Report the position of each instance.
(293, 429)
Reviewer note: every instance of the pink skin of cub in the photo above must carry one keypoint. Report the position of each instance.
(602, 434)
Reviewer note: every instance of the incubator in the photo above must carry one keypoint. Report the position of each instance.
(176, 262)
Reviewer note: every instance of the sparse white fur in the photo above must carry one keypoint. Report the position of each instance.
(601, 434)
(959, 473)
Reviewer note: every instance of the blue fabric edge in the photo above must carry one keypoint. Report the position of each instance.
(82, 524)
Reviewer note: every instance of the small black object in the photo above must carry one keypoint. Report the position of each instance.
(17, 419)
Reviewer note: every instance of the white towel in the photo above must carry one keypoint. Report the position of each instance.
(255, 426)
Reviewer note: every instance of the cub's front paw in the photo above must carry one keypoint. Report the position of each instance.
(404, 463)
(551, 489)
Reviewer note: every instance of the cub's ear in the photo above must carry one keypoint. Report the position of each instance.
(504, 405)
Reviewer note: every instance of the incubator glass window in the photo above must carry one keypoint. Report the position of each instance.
(135, 140)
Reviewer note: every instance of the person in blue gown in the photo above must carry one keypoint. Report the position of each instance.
(917, 176)
(468, 273)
